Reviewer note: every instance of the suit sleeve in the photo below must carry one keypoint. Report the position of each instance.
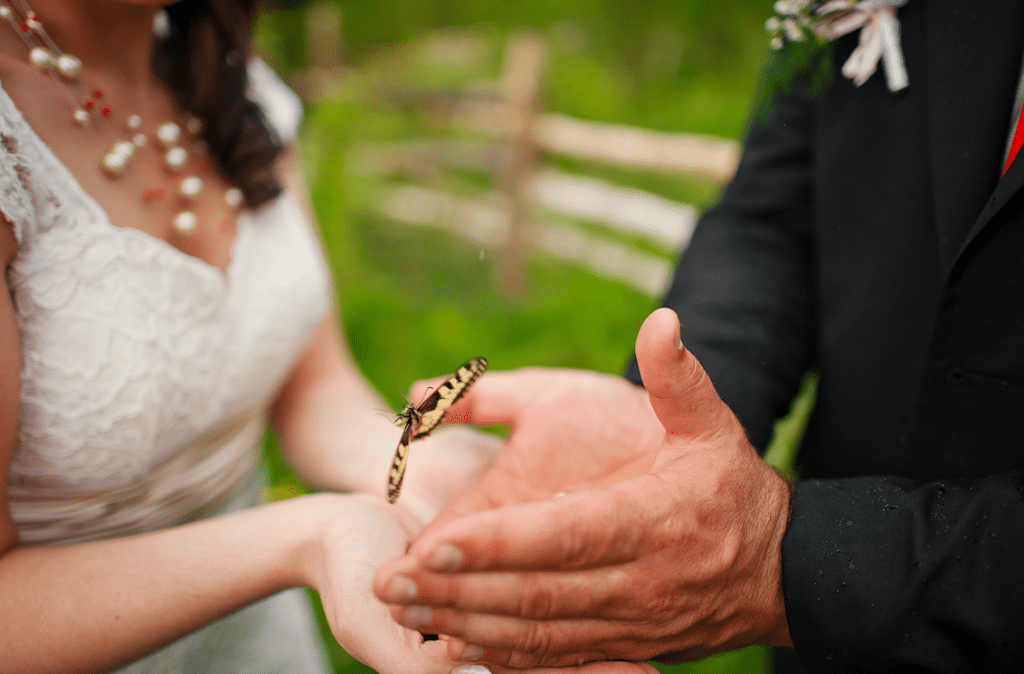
(743, 289)
(885, 574)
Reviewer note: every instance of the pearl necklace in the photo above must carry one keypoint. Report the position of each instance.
(66, 70)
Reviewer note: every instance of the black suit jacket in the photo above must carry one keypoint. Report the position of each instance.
(869, 235)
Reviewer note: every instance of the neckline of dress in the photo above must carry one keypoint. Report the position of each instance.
(101, 217)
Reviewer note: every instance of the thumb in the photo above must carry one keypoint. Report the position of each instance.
(681, 392)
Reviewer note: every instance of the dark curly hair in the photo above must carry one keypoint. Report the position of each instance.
(202, 60)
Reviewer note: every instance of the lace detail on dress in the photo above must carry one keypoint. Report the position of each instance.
(131, 349)
(14, 202)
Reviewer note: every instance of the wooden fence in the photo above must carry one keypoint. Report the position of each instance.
(531, 207)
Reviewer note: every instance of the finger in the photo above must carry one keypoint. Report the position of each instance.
(495, 399)
(681, 392)
(516, 642)
(597, 527)
(603, 667)
(388, 581)
(537, 595)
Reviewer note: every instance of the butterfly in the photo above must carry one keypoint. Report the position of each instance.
(420, 420)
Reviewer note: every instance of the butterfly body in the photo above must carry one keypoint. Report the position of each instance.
(420, 420)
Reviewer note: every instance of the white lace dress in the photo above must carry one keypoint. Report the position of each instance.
(146, 375)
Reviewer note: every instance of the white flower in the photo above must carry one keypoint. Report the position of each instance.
(793, 30)
(789, 7)
(879, 33)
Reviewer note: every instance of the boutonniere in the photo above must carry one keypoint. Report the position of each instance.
(802, 33)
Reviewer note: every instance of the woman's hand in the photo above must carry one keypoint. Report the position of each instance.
(358, 535)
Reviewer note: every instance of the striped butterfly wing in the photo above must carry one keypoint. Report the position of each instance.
(398, 464)
(431, 411)
(420, 420)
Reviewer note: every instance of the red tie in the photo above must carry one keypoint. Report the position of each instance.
(1018, 140)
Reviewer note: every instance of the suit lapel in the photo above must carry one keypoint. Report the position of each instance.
(971, 88)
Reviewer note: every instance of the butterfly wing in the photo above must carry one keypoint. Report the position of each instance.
(432, 410)
(420, 421)
(398, 463)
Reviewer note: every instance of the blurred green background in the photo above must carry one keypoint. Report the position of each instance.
(418, 302)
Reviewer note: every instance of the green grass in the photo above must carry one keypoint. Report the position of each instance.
(416, 303)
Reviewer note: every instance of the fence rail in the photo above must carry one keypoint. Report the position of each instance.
(531, 206)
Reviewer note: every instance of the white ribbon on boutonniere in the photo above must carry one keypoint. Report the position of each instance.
(798, 20)
(879, 39)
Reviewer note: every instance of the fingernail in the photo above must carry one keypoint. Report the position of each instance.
(679, 344)
(446, 557)
(471, 669)
(473, 653)
(402, 590)
(416, 617)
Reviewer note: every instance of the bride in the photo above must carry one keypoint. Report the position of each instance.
(165, 295)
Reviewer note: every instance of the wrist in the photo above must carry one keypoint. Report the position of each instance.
(308, 517)
(777, 633)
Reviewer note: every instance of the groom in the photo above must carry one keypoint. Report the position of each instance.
(870, 236)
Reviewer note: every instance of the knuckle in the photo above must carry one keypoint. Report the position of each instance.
(538, 642)
(538, 600)
(617, 538)
(439, 591)
(577, 547)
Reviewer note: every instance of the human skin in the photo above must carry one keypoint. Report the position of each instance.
(679, 561)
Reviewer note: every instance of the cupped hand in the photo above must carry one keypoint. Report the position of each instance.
(679, 562)
(358, 535)
(570, 430)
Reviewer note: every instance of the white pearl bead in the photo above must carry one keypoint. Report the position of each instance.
(69, 66)
(82, 117)
(114, 164)
(194, 125)
(185, 222)
(33, 24)
(6, 12)
(124, 148)
(41, 58)
(140, 140)
(176, 158)
(134, 122)
(191, 186)
(169, 134)
(234, 197)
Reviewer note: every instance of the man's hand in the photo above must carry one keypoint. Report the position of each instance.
(678, 562)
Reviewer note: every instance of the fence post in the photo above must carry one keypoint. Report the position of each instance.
(324, 53)
(525, 57)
